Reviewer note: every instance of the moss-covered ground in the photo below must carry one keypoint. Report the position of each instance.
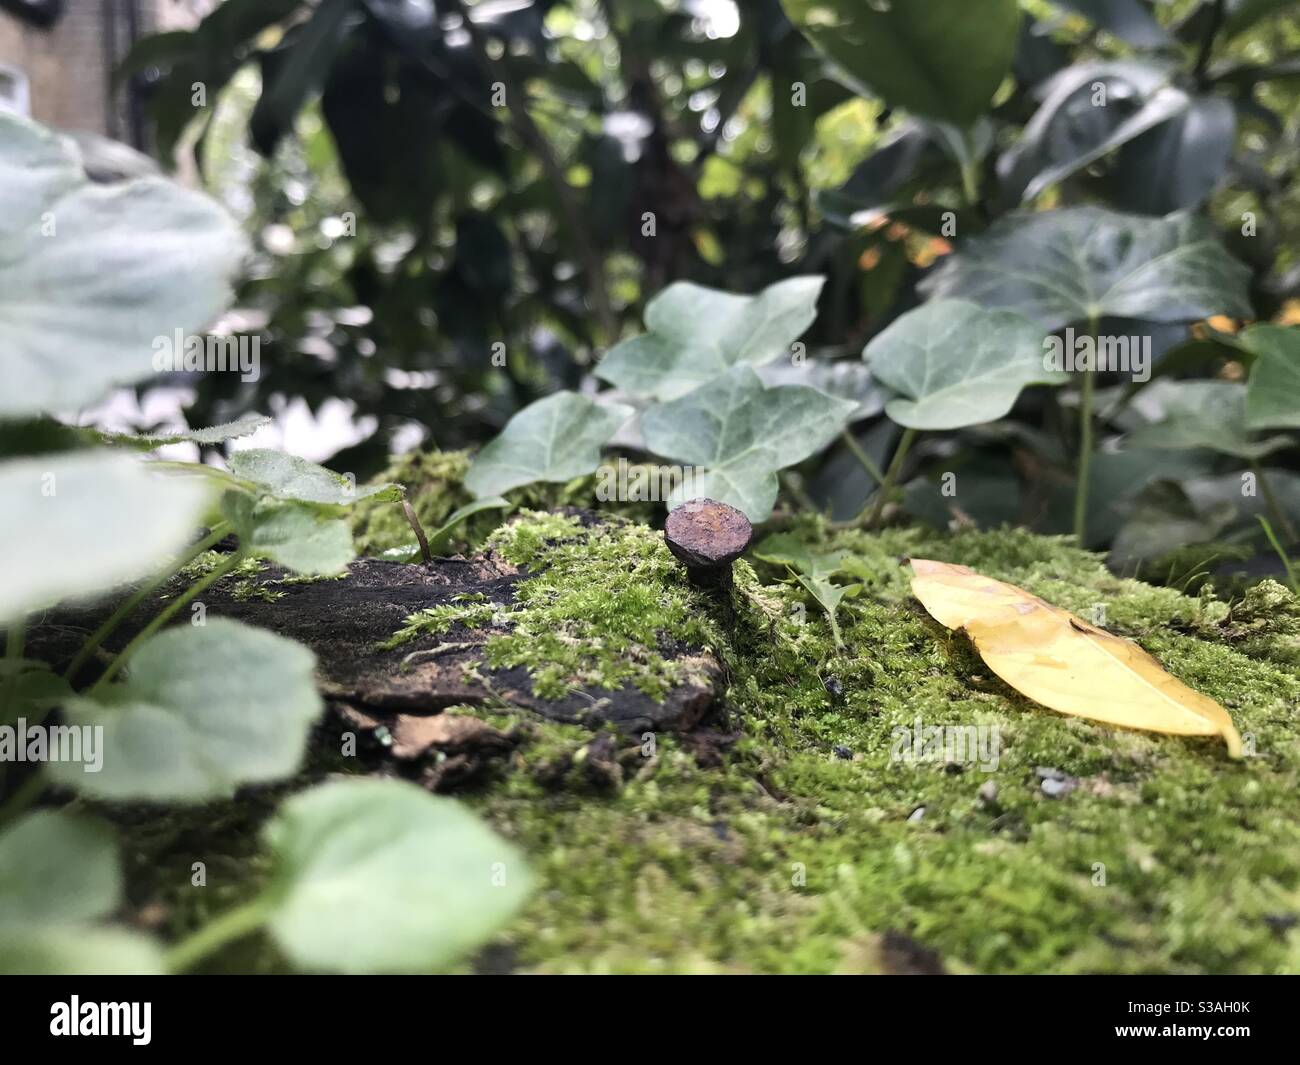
(801, 842)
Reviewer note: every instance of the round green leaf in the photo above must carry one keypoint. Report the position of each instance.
(954, 364)
(1208, 414)
(1060, 267)
(298, 536)
(76, 950)
(81, 522)
(696, 333)
(554, 440)
(205, 709)
(289, 477)
(736, 434)
(58, 867)
(91, 275)
(380, 876)
(941, 58)
(1273, 391)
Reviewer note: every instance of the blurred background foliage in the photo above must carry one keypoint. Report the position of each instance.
(429, 184)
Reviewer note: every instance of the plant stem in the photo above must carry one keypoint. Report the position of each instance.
(26, 794)
(861, 455)
(14, 644)
(1291, 578)
(102, 633)
(231, 925)
(161, 619)
(1085, 448)
(1274, 507)
(891, 476)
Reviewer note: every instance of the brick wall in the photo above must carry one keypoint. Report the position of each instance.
(68, 65)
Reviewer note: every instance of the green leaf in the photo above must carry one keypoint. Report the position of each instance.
(1208, 414)
(300, 70)
(297, 536)
(1066, 266)
(1178, 164)
(738, 434)
(204, 710)
(82, 522)
(77, 950)
(58, 867)
(380, 876)
(696, 333)
(786, 549)
(216, 434)
(91, 275)
(442, 537)
(844, 379)
(813, 570)
(1163, 517)
(1273, 391)
(954, 364)
(1070, 132)
(941, 58)
(554, 440)
(289, 477)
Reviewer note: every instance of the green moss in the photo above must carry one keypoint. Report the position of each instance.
(802, 842)
(598, 608)
(435, 489)
(1165, 856)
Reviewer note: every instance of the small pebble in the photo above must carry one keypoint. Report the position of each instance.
(843, 752)
(988, 792)
(917, 814)
(1054, 789)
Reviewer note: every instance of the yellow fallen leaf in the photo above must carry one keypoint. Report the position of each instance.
(1061, 661)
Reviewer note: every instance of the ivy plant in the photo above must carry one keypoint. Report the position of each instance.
(90, 275)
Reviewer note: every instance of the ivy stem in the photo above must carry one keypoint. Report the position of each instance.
(14, 645)
(891, 477)
(231, 925)
(163, 615)
(1281, 553)
(1085, 447)
(1284, 526)
(859, 453)
(147, 589)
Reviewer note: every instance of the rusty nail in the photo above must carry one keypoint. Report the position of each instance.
(707, 537)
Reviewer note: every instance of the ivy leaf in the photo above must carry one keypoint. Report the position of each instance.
(443, 534)
(216, 434)
(289, 477)
(1208, 414)
(102, 269)
(954, 364)
(58, 867)
(1070, 265)
(813, 570)
(1273, 391)
(696, 333)
(297, 536)
(1069, 132)
(380, 876)
(77, 950)
(843, 378)
(738, 434)
(941, 58)
(204, 710)
(82, 522)
(554, 440)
